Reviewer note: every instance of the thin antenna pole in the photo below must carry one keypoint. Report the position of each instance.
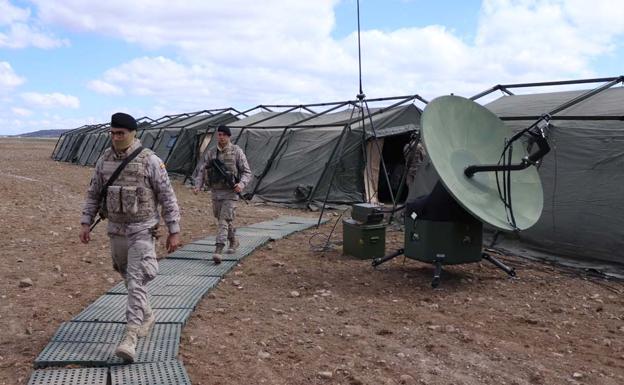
(361, 94)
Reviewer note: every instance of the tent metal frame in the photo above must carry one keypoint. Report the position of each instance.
(333, 106)
(609, 83)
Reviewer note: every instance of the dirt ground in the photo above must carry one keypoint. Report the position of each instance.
(291, 315)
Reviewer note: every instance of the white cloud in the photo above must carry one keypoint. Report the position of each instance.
(243, 53)
(19, 30)
(8, 78)
(10, 13)
(21, 111)
(52, 100)
(104, 88)
(22, 35)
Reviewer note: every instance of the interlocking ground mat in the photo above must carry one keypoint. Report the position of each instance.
(185, 276)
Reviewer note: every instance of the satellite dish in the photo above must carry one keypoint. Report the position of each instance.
(459, 133)
(486, 176)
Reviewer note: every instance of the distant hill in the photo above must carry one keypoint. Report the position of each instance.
(42, 134)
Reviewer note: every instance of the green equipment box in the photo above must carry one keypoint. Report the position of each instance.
(447, 242)
(364, 241)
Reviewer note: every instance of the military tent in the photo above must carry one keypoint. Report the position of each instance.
(583, 175)
(338, 155)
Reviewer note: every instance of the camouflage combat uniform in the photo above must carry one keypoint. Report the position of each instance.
(132, 203)
(415, 156)
(223, 197)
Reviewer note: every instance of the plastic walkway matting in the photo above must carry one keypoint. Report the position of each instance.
(157, 373)
(82, 376)
(204, 251)
(93, 344)
(90, 339)
(172, 285)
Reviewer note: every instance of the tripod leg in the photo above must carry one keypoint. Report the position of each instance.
(378, 261)
(437, 271)
(500, 265)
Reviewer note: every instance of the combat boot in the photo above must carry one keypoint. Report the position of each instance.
(148, 321)
(126, 350)
(233, 246)
(216, 256)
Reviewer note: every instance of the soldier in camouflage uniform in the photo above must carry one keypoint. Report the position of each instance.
(131, 206)
(224, 198)
(415, 156)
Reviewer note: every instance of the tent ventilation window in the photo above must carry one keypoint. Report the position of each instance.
(172, 141)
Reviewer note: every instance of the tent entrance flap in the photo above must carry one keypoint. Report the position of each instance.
(371, 169)
(375, 183)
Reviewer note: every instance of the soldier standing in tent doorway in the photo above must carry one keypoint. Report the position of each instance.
(130, 203)
(224, 196)
(415, 156)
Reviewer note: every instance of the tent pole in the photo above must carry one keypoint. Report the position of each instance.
(174, 145)
(331, 181)
(331, 157)
(279, 142)
(383, 163)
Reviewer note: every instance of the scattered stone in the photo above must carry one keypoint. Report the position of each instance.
(295, 294)
(264, 355)
(325, 375)
(450, 329)
(277, 264)
(406, 379)
(20, 260)
(29, 330)
(577, 375)
(401, 355)
(57, 268)
(26, 282)
(236, 283)
(433, 327)
(220, 310)
(110, 280)
(269, 247)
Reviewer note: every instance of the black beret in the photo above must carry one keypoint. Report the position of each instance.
(121, 120)
(225, 130)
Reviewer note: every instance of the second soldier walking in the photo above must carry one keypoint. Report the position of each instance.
(224, 196)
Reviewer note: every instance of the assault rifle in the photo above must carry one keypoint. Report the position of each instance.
(230, 179)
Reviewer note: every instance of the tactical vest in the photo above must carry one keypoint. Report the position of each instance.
(228, 157)
(130, 199)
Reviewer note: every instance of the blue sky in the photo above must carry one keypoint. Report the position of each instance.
(71, 62)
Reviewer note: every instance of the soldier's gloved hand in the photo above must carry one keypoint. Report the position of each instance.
(237, 188)
(173, 242)
(195, 190)
(85, 233)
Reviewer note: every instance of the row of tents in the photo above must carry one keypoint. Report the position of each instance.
(351, 151)
(298, 153)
